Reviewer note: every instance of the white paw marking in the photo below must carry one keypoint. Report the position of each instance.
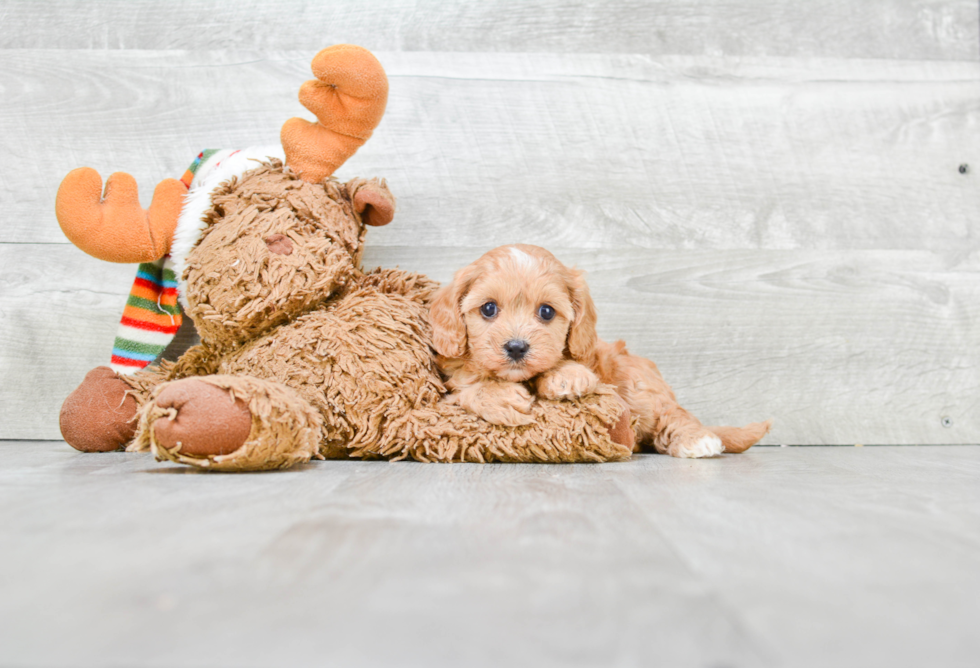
(708, 445)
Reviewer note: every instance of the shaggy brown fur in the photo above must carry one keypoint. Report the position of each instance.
(330, 361)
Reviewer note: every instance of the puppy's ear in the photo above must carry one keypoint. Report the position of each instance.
(446, 316)
(582, 336)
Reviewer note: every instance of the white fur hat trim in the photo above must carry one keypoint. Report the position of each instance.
(219, 168)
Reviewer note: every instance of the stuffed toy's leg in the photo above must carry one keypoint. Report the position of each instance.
(595, 428)
(229, 423)
(100, 415)
(242, 423)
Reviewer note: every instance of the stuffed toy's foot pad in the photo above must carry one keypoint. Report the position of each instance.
(100, 415)
(622, 431)
(201, 419)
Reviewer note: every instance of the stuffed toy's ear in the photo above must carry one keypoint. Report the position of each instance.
(372, 201)
(446, 315)
(115, 227)
(582, 336)
(348, 98)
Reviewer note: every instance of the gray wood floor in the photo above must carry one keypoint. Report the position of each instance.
(778, 557)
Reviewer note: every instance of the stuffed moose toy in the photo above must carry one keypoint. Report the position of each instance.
(303, 354)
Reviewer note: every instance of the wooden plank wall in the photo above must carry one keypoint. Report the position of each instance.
(767, 195)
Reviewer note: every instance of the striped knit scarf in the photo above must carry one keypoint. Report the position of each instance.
(153, 311)
(150, 320)
(152, 315)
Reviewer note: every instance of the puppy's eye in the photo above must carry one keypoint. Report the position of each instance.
(545, 312)
(488, 310)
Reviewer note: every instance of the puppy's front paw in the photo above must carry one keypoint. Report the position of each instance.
(507, 404)
(569, 381)
(704, 444)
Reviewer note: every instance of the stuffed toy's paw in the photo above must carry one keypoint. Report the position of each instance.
(200, 419)
(621, 431)
(100, 415)
(229, 423)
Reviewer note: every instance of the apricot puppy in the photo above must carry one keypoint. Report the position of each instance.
(518, 320)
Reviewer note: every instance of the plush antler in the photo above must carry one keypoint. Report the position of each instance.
(115, 227)
(348, 98)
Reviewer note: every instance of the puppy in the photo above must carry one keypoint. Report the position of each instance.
(518, 320)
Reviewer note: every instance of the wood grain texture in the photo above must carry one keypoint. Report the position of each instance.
(889, 29)
(840, 348)
(767, 194)
(778, 557)
(600, 151)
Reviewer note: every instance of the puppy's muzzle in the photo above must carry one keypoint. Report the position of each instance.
(516, 349)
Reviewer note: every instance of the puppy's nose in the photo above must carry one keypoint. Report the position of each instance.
(516, 348)
(279, 244)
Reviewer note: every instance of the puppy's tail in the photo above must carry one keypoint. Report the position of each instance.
(740, 439)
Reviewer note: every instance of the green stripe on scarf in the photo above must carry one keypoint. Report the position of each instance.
(154, 307)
